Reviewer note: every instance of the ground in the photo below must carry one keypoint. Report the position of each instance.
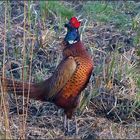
(109, 107)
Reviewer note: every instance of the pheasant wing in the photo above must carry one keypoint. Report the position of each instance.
(63, 73)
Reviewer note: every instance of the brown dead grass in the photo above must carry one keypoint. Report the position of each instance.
(108, 112)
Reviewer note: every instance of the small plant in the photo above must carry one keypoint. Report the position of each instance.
(55, 9)
(107, 12)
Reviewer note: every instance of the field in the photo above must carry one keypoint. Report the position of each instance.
(30, 49)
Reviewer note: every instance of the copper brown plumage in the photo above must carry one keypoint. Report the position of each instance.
(68, 80)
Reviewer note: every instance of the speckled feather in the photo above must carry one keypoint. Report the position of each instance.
(67, 98)
(65, 85)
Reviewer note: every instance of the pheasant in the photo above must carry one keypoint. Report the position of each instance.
(68, 80)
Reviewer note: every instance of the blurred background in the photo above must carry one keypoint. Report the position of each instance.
(31, 33)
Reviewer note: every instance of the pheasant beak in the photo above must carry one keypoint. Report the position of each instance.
(67, 25)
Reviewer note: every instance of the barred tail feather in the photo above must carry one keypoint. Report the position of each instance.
(20, 88)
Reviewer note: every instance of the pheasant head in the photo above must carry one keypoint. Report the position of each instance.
(72, 35)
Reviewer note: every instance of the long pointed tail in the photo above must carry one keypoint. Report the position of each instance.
(21, 88)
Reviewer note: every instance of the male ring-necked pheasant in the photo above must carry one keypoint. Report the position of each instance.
(68, 80)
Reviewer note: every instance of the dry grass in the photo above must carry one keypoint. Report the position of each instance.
(109, 106)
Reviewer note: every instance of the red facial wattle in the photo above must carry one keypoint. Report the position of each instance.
(74, 22)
